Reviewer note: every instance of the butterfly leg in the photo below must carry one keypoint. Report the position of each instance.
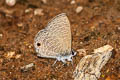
(70, 59)
(55, 62)
(59, 59)
(64, 61)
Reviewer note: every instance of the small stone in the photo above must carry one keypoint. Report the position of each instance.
(20, 24)
(119, 28)
(30, 46)
(26, 67)
(72, 2)
(81, 42)
(79, 9)
(18, 56)
(10, 2)
(8, 15)
(1, 35)
(44, 1)
(10, 55)
(92, 28)
(1, 60)
(38, 12)
(28, 10)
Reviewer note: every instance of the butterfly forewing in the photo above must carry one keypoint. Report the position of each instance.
(59, 37)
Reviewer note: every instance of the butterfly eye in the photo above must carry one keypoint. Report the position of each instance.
(38, 44)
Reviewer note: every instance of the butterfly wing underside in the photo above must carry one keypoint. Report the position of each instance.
(58, 40)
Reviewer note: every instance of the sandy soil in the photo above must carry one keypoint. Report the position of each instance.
(96, 25)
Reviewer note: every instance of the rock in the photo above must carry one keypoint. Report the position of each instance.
(92, 28)
(72, 2)
(1, 35)
(118, 29)
(30, 46)
(38, 12)
(17, 56)
(44, 1)
(90, 66)
(10, 54)
(26, 67)
(79, 9)
(1, 60)
(28, 10)
(20, 24)
(10, 2)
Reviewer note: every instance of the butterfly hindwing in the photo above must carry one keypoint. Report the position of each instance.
(55, 39)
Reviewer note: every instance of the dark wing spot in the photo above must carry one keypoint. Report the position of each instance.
(38, 44)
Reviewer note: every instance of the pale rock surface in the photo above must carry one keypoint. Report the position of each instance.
(90, 66)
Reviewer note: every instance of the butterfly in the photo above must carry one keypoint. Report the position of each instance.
(54, 41)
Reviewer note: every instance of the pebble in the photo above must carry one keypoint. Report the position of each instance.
(30, 46)
(1, 60)
(44, 1)
(20, 24)
(92, 28)
(119, 28)
(10, 54)
(28, 10)
(17, 56)
(38, 12)
(72, 2)
(81, 42)
(10, 2)
(1, 35)
(26, 67)
(79, 9)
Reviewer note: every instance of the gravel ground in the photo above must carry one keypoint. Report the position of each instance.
(94, 23)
